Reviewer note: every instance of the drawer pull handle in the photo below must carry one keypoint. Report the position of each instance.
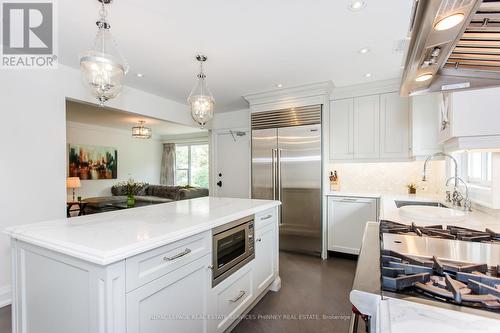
(267, 217)
(237, 298)
(349, 200)
(178, 255)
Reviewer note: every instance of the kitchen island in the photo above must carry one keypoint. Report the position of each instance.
(147, 269)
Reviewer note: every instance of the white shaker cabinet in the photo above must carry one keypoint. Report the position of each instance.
(370, 128)
(342, 129)
(172, 302)
(425, 119)
(265, 258)
(394, 126)
(471, 113)
(347, 217)
(366, 127)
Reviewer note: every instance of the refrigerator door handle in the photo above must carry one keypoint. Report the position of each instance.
(273, 175)
(279, 174)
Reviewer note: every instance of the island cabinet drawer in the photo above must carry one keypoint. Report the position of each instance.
(265, 218)
(146, 267)
(231, 298)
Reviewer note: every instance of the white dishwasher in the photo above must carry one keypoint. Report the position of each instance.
(347, 217)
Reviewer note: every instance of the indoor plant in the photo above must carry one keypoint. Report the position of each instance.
(132, 188)
(412, 188)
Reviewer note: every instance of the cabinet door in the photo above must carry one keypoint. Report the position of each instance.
(425, 124)
(366, 127)
(341, 129)
(163, 304)
(394, 126)
(265, 254)
(347, 217)
(445, 117)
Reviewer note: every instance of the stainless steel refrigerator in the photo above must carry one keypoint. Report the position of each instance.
(286, 166)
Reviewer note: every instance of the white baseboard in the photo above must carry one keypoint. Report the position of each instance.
(5, 296)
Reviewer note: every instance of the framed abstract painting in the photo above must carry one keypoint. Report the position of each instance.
(92, 162)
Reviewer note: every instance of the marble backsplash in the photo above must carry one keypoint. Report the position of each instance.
(390, 177)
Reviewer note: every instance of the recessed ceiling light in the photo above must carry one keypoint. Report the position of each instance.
(279, 85)
(356, 5)
(423, 77)
(140, 75)
(368, 75)
(449, 22)
(364, 50)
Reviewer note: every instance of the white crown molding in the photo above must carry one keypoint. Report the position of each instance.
(303, 95)
(306, 90)
(5, 296)
(364, 89)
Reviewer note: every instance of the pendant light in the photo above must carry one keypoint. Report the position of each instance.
(141, 132)
(201, 99)
(103, 66)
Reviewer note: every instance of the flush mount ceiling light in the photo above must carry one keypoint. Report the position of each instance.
(103, 66)
(356, 5)
(364, 50)
(368, 75)
(141, 132)
(449, 22)
(201, 99)
(423, 77)
(279, 85)
(140, 75)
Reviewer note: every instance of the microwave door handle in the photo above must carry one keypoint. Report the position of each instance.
(273, 175)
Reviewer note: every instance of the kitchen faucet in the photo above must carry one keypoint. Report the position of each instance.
(457, 197)
(430, 157)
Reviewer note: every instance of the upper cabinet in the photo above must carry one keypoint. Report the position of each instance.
(394, 126)
(469, 119)
(341, 129)
(369, 128)
(366, 127)
(427, 124)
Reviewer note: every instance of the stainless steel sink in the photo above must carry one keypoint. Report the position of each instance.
(402, 203)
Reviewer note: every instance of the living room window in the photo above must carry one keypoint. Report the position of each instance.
(191, 164)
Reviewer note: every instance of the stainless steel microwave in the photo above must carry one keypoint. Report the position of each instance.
(233, 246)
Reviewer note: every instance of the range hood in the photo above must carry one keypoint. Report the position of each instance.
(454, 45)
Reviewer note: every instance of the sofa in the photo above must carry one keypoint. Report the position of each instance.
(161, 193)
(144, 195)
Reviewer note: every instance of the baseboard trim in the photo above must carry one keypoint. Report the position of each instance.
(5, 296)
(342, 255)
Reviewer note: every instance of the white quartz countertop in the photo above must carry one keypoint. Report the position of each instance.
(388, 210)
(109, 237)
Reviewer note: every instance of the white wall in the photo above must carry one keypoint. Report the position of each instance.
(390, 177)
(137, 158)
(232, 120)
(33, 144)
(221, 124)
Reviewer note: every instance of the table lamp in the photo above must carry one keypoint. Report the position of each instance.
(72, 183)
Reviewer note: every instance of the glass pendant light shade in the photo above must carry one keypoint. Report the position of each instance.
(141, 132)
(201, 99)
(103, 67)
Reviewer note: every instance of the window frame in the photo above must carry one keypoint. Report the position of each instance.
(486, 162)
(189, 145)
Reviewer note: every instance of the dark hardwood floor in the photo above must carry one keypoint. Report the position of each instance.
(313, 298)
(312, 288)
(5, 320)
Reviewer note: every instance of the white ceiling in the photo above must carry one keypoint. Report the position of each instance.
(93, 115)
(251, 45)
